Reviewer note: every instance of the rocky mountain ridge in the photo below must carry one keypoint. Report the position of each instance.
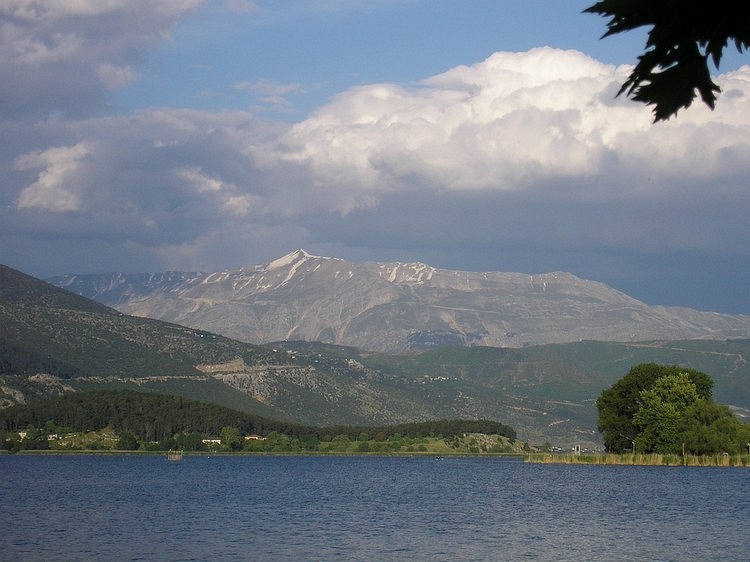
(393, 307)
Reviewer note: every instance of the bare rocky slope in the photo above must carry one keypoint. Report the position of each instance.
(393, 307)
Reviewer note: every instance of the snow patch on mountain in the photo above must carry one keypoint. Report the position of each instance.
(298, 256)
(407, 273)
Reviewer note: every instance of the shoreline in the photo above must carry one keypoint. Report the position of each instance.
(721, 460)
(600, 459)
(115, 452)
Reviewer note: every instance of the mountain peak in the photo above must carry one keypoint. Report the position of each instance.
(296, 256)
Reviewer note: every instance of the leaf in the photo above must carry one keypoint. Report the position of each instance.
(673, 66)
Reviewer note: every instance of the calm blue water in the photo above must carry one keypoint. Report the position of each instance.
(382, 508)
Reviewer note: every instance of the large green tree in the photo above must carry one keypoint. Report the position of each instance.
(619, 403)
(684, 35)
(662, 413)
(127, 442)
(668, 409)
(708, 428)
(231, 438)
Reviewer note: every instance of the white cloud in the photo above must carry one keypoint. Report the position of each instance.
(200, 181)
(58, 186)
(516, 122)
(57, 48)
(505, 123)
(55, 10)
(116, 77)
(227, 195)
(512, 122)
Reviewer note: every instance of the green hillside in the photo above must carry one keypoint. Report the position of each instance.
(49, 330)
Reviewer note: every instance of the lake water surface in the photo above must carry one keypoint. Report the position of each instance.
(366, 508)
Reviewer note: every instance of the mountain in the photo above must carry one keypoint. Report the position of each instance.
(393, 307)
(54, 342)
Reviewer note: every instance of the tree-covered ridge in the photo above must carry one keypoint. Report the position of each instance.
(46, 329)
(157, 418)
(667, 409)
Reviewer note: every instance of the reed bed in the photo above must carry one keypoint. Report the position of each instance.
(640, 459)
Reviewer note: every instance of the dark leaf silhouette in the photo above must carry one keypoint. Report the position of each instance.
(684, 35)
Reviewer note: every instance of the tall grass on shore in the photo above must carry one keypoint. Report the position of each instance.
(640, 459)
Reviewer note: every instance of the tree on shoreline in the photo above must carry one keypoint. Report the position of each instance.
(619, 404)
(667, 409)
(662, 413)
(161, 422)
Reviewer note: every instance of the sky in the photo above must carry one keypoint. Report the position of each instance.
(480, 135)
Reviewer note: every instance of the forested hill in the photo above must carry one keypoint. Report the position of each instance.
(157, 417)
(44, 329)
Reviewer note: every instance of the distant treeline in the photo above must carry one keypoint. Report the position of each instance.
(158, 417)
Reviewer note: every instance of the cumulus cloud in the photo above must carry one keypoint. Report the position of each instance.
(516, 122)
(509, 123)
(64, 56)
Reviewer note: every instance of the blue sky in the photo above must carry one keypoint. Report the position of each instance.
(326, 47)
(480, 135)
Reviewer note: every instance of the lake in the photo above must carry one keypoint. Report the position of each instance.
(100, 507)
